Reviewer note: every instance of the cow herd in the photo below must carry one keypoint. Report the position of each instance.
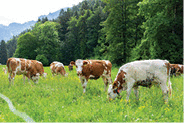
(144, 73)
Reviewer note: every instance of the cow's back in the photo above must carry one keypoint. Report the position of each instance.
(142, 69)
(38, 66)
(97, 67)
(11, 64)
(16, 64)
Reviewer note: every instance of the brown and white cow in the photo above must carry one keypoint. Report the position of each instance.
(57, 68)
(176, 69)
(93, 69)
(70, 66)
(30, 68)
(141, 73)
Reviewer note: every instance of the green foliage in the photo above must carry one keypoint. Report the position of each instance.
(63, 19)
(11, 46)
(26, 46)
(41, 43)
(60, 99)
(48, 41)
(42, 59)
(93, 24)
(83, 32)
(118, 30)
(71, 46)
(162, 16)
(3, 52)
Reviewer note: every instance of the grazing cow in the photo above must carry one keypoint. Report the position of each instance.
(57, 68)
(141, 73)
(93, 69)
(176, 69)
(30, 68)
(70, 66)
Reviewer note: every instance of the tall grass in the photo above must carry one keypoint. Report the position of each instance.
(60, 99)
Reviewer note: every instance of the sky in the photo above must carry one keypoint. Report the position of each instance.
(21, 11)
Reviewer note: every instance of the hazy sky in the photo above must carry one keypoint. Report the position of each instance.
(21, 11)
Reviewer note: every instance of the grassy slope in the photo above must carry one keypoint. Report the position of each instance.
(60, 99)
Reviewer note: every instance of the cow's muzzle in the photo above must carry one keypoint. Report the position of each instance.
(117, 91)
(79, 73)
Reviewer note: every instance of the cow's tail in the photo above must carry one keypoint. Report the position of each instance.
(8, 65)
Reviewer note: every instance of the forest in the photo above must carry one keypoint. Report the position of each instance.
(117, 30)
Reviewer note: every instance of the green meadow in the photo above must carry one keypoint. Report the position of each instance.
(60, 99)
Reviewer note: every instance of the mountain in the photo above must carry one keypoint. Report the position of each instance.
(7, 32)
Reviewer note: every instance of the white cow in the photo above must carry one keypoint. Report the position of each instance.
(141, 73)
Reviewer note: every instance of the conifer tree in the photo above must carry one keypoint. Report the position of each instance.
(3, 52)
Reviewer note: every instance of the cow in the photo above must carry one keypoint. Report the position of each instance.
(57, 68)
(29, 68)
(93, 69)
(141, 73)
(176, 69)
(70, 66)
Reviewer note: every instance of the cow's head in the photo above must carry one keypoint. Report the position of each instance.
(64, 72)
(79, 66)
(117, 86)
(35, 77)
(72, 63)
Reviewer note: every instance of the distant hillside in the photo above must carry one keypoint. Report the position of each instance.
(7, 32)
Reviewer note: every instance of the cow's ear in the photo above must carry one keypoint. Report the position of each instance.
(72, 63)
(85, 62)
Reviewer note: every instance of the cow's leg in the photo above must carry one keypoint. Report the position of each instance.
(84, 83)
(105, 82)
(107, 79)
(129, 88)
(169, 84)
(13, 77)
(9, 77)
(164, 90)
(136, 92)
(24, 78)
(28, 77)
(53, 73)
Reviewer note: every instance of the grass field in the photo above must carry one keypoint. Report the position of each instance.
(60, 99)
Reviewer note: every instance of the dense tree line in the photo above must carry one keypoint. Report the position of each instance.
(118, 30)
